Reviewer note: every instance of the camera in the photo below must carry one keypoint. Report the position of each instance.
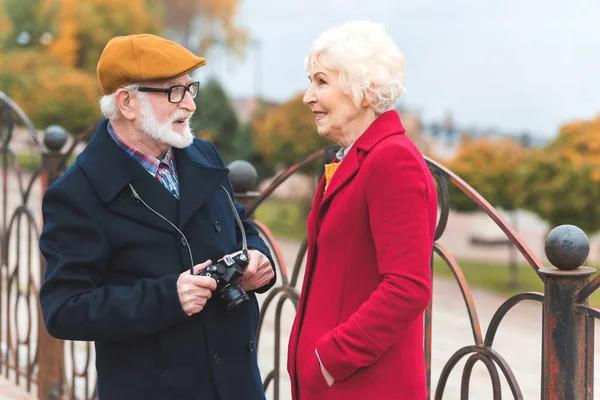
(226, 272)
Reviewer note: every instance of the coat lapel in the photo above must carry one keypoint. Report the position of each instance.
(385, 125)
(111, 170)
(156, 197)
(198, 180)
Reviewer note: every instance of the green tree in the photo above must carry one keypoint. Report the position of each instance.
(245, 149)
(5, 24)
(215, 119)
(31, 21)
(563, 179)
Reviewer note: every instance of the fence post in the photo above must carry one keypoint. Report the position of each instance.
(50, 350)
(565, 363)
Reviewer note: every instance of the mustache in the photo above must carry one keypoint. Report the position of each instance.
(180, 114)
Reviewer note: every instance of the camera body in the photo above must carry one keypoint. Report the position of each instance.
(226, 272)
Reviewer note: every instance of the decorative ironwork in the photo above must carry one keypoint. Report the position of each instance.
(19, 257)
(31, 358)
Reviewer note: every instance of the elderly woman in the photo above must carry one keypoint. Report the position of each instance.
(358, 333)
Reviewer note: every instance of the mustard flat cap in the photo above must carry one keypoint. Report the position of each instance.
(141, 58)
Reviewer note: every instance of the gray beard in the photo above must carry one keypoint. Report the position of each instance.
(163, 131)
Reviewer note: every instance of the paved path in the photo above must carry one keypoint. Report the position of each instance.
(518, 339)
(10, 392)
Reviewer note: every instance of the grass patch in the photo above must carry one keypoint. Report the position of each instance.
(495, 277)
(285, 219)
(31, 162)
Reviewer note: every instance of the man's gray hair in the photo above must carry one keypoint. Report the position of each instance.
(108, 104)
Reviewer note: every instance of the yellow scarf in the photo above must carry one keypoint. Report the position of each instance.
(329, 171)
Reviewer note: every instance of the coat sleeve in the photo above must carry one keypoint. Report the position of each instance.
(254, 241)
(76, 303)
(398, 207)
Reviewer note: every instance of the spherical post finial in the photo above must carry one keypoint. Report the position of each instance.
(567, 247)
(242, 175)
(55, 137)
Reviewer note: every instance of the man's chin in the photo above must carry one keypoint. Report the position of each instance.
(174, 139)
(179, 140)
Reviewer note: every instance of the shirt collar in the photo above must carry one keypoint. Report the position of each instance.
(149, 162)
(343, 152)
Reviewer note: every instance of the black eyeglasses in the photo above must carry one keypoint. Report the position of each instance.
(176, 93)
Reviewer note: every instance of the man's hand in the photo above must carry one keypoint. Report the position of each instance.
(258, 273)
(194, 291)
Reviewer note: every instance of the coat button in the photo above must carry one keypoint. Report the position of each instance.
(183, 242)
(251, 346)
(217, 226)
(216, 358)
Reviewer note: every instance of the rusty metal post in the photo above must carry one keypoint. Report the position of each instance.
(565, 363)
(243, 176)
(50, 350)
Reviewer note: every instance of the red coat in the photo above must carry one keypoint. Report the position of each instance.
(367, 280)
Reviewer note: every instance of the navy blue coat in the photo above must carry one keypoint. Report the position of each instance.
(112, 268)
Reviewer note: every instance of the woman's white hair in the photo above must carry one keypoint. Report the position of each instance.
(367, 59)
(108, 104)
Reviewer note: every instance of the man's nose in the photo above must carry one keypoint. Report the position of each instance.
(188, 103)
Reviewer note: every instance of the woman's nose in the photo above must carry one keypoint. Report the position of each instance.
(309, 96)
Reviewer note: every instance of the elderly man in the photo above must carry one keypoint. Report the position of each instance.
(128, 228)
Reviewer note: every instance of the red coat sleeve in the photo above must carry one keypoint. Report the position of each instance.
(397, 196)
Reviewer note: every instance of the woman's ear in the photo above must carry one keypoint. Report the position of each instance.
(369, 97)
(126, 103)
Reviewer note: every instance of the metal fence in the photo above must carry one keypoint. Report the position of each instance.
(53, 369)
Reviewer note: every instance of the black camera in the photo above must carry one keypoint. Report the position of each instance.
(226, 272)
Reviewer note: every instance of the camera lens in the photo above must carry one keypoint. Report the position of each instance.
(233, 296)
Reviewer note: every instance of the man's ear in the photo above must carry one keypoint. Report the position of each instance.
(127, 103)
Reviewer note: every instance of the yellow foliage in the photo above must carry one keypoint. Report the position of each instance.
(85, 26)
(288, 133)
(66, 46)
(579, 143)
(491, 167)
(561, 181)
(485, 154)
(50, 92)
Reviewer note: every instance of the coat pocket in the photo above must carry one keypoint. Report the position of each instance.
(310, 374)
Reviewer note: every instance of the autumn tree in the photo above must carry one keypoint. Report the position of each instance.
(50, 92)
(563, 179)
(490, 166)
(286, 134)
(85, 26)
(202, 24)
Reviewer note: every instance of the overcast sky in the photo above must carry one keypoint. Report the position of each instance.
(512, 65)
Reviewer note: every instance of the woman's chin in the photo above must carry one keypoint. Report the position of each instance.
(322, 132)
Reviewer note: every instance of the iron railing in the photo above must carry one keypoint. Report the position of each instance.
(52, 369)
